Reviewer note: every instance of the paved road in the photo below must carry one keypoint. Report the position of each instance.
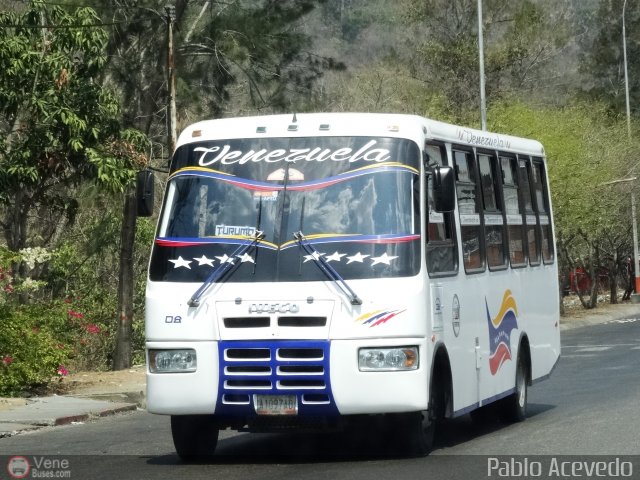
(590, 406)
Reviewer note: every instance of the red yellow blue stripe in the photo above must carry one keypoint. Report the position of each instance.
(378, 317)
(298, 186)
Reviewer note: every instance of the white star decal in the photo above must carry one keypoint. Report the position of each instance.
(226, 259)
(358, 257)
(204, 261)
(335, 256)
(384, 258)
(181, 262)
(313, 256)
(245, 257)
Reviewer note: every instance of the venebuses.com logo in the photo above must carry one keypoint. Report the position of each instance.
(18, 467)
(38, 467)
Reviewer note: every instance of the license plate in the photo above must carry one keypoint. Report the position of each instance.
(276, 404)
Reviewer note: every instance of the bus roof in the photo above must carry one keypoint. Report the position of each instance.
(355, 124)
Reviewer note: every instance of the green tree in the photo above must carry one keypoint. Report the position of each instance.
(521, 39)
(230, 57)
(58, 126)
(586, 149)
(246, 55)
(61, 126)
(253, 56)
(602, 60)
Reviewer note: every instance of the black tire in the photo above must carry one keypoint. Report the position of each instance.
(419, 428)
(194, 436)
(514, 407)
(422, 430)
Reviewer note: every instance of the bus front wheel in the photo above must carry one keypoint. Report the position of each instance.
(194, 436)
(421, 426)
(422, 433)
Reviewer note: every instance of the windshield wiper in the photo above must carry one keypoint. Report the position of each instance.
(223, 268)
(327, 269)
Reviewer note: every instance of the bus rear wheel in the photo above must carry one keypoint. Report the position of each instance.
(514, 407)
(194, 436)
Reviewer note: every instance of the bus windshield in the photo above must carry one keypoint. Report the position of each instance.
(355, 199)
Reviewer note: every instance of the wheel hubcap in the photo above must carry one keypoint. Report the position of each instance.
(522, 389)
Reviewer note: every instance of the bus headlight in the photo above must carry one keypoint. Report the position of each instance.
(168, 361)
(388, 359)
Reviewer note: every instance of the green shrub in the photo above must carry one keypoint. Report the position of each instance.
(31, 350)
(42, 341)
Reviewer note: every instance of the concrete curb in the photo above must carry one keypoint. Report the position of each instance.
(11, 429)
(136, 398)
(55, 411)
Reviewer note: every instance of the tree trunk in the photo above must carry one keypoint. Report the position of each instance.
(122, 355)
(613, 280)
(563, 282)
(590, 267)
(15, 228)
(594, 267)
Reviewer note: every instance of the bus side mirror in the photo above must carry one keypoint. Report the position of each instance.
(444, 189)
(144, 193)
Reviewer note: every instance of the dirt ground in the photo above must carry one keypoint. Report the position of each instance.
(123, 386)
(98, 383)
(574, 309)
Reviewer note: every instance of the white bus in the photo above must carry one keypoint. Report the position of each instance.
(316, 269)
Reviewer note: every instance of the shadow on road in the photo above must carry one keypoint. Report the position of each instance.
(350, 445)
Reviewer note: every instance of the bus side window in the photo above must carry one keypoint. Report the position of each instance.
(494, 236)
(469, 211)
(542, 205)
(514, 211)
(442, 248)
(531, 221)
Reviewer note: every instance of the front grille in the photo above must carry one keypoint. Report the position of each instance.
(302, 321)
(247, 322)
(294, 365)
(247, 370)
(298, 383)
(247, 354)
(300, 354)
(286, 367)
(248, 384)
(294, 321)
(300, 370)
(236, 399)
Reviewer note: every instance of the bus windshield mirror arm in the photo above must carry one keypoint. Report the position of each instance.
(223, 268)
(327, 269)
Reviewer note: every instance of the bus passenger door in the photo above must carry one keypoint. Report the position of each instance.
(451, 294)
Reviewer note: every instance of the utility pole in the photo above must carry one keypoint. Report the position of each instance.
(636, 260)
(483, 102)
(626, 73)
(171, 82)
